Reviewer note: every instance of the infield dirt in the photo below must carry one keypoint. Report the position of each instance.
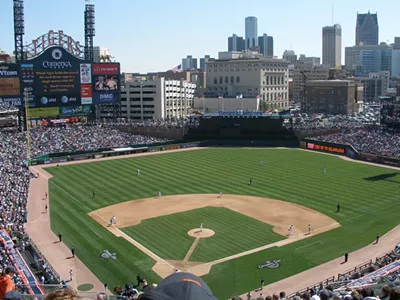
(277, 213)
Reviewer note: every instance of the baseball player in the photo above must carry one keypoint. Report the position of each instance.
(324, 170)
(220, 195)
(138, 172)
(261, 162)
(291, 228)
(309, 228)
(113, 221)
(71, 274)
(158, 194)
(251, 181)
(201, 227)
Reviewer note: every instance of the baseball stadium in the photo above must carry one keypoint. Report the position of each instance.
(230, 204)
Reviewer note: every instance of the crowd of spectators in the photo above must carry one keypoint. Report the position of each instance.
(376, 140)
(15, 175)
(72, 138)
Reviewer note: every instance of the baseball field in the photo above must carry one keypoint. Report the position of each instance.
(221, 238)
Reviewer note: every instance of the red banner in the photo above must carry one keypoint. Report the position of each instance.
(105, 69)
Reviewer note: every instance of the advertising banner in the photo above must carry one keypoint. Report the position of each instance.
(86, 94)
(106, 83)
(55, 77)
(76, 111)
(43, 112)
(106, 69)
(10, 90)
(327, 148)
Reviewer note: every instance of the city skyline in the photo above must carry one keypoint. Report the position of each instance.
(164, 41)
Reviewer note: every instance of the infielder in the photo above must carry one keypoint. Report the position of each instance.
(201, 227)
(220, 195)
(71, 274)
(309, 228)
(291, 229)
(113, 221)
(158, 194)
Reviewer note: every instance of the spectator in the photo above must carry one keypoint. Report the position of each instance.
(6, 282)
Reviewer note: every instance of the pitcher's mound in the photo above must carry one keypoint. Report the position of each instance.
(201, 233)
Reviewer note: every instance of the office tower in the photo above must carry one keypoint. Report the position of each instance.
(189, 63)
(367, 29)
(251, 28)
(266, 44)
(203, 61)
(236, 43)
(290, 56)
(332, 45)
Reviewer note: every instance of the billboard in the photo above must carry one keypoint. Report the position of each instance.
(76, 111)
(106, 83)
(10, 91)
(54, 78)
(43, 112)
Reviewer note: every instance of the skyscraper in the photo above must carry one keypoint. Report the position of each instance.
(367, 29)
(236, 43)
(332, 45)
(251, 28)
(203, 61)
(189, 63)
(266, 44)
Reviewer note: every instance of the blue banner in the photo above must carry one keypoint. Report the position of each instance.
(20, 264)
(109, 97)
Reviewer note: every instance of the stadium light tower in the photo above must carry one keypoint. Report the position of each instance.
(89, 30)
(19, 30)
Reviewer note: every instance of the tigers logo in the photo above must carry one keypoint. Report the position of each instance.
(270, 264)
(107, 254)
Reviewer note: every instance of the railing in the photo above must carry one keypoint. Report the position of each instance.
(356, 269)
(317, 285)
(49, 288)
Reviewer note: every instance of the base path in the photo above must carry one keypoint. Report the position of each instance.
(279, 214)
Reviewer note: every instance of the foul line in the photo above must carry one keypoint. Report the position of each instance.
(127, 237)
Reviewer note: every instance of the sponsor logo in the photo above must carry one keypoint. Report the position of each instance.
(107, 254)
(56, 54)
(270, 264)
(8, 73)
(56, 64)
(107, 96)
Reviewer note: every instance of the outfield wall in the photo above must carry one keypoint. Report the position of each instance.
(348, 151)
(309, 144)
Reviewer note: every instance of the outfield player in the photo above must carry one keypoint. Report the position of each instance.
(201, 227)
(94, 194)
(138, 172)
(261, 162)
(251, 181)
(324, 170)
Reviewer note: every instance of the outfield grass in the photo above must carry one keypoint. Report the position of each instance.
(156, 234)
(368, 206)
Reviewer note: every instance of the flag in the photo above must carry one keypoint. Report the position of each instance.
(241, 96)
(177, 69)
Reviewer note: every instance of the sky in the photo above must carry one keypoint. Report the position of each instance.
(151, 36)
